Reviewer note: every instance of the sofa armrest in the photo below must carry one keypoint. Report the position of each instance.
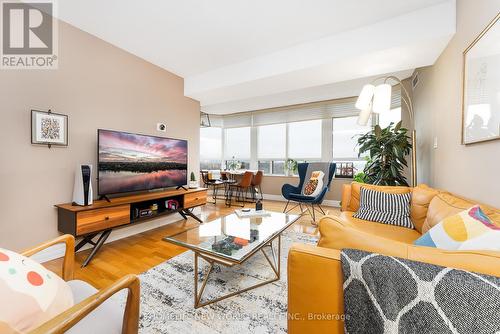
(69, 253)
(315, 297)
(336, 234)
(346, 197)
(73, 315)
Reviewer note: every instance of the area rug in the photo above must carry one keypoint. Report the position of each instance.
(167, 295)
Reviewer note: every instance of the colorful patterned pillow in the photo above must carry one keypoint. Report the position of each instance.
(30, 294)
(315, 184)
(467, 230)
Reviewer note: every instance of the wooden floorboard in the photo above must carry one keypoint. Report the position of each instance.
(140, 252)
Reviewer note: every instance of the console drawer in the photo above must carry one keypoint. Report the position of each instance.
(195, 199)
(101, 219)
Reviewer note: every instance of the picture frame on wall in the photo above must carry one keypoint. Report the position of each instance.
(49, 128)
(481, 86)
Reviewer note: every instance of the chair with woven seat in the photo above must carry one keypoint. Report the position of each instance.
(311, 203)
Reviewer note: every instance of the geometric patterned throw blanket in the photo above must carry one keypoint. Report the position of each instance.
(384, 294)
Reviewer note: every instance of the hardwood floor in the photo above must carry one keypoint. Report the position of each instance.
(140, 252)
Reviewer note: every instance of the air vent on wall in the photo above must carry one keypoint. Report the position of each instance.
(414, 80)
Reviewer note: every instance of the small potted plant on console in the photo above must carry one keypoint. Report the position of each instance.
(193, 184)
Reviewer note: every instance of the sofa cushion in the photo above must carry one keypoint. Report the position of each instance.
(107, 318)
(421, 198)
(381, 207)
(356, 192)
(445, 205)
(392, 232)
(467, 230)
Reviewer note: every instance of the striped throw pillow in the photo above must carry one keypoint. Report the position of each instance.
(381, 207)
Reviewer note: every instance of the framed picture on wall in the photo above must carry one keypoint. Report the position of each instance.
(481, 86)
(48, 128)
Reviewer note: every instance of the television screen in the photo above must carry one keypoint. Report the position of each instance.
(131, 162)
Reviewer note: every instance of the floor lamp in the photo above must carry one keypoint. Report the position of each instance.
(377, 99)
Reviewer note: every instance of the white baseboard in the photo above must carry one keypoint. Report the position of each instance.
(58, 250)
(279, 198)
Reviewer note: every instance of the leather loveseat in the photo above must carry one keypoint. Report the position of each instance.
(315, 296)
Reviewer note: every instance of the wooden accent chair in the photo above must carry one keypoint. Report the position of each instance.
(94, 311)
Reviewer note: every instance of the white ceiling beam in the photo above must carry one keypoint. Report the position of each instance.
(404, 42)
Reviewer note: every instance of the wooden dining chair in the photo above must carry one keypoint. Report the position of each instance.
(256, 185)
(240, 189)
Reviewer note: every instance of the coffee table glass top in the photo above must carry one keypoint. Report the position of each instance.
(231, 237)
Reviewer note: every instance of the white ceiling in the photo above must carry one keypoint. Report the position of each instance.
(255, 51)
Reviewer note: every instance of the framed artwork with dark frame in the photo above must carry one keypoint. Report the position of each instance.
(481, 86)
(48, 128)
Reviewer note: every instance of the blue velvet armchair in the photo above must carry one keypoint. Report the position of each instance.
(311, 203)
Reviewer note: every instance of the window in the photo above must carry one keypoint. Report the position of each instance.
(275, 167)
(237, 144)
(210, 148)
(304, 140)
(271, 141)
(385, 118)
(345, 137)
(271, 148)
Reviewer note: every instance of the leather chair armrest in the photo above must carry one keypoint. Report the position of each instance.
(73, 315)
(336, 234)
(315, 296)
(69, 253)
(346, 197)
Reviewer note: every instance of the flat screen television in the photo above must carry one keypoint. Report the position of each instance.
(129, 162)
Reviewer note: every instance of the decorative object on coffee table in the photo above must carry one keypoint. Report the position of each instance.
(48, 128)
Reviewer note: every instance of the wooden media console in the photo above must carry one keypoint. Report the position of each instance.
(103, 216)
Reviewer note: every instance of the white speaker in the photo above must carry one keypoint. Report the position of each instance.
(82, 190)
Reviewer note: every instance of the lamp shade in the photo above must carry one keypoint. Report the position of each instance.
(382, 98)
(365, 97)
(364, 116)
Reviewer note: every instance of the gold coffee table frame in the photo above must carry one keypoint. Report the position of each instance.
(275, 266)
(214, 258)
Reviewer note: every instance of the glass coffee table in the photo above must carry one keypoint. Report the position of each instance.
(230, 241)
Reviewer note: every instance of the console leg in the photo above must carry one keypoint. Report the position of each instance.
(184, 213)
(105, 234)
(181, 212)
(86, 240)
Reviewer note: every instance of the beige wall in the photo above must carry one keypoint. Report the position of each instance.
(98, 86)
(271, 185)
(473, 170)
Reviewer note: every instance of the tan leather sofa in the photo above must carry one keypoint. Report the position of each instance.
(315, 296)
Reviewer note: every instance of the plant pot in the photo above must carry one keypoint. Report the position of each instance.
(193, 184)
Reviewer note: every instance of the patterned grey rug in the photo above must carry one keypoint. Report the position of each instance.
(167, 296)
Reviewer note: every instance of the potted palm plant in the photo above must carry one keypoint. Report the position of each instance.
(387, 149)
